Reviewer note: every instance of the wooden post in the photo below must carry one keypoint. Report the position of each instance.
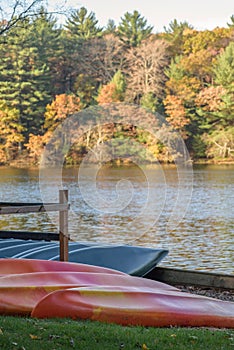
(63, 226)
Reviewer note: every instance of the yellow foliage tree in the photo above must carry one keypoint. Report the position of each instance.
(62, 106)
(56, 112)
(10, 133)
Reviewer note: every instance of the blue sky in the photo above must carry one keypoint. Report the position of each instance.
(202, 14)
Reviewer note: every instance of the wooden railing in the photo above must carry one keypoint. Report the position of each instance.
(23, 208)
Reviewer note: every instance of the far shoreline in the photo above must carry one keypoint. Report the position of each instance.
(28, 164)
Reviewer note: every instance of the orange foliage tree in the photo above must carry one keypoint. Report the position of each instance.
(56, 112)
(108, 94)
(210, 98)
(176, 113)
(62, 106)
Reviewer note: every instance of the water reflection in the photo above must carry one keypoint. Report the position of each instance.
(203, 240)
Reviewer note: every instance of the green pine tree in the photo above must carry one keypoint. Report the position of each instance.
(45, 36)
(120, 83)
(231, 24)
(151, 102)
(111, 27)
(224, 76)
(133, 29)
(22, 79)
(83, 25)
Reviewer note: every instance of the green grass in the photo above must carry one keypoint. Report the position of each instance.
(62, 334)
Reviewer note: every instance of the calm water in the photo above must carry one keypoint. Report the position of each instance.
(140, 206)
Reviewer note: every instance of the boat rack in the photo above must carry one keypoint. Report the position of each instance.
(23, 208)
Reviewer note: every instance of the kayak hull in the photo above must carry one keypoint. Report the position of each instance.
(158, 308)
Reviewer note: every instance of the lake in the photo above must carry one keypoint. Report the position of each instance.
(145, 206)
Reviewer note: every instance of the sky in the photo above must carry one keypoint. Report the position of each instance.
(202, 14)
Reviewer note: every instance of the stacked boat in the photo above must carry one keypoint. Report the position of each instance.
(101, 283)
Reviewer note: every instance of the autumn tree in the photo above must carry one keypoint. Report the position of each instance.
(176, 33)
(216, 106)
(209, 102)
(102, 58)
(10, 132)
(199, 65)
(35, 146)
(181, 91)
(113, 91)
(144, 71)
(214, 40)
(176, 114)
(107, 94)
(62, 106)
(133, 29)
(96, 62)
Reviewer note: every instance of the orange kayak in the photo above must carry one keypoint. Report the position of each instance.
(17, 266)
(126, 306)
(19, 293)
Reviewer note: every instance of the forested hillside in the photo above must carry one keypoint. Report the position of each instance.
(49, 71)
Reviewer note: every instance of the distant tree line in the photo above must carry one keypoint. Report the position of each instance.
(48, 72)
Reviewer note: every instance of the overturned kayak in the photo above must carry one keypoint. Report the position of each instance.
(46, 289)
(126, 306)
(14, 267)
(21, 288)
(132, 260)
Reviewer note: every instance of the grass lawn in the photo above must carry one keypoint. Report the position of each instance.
(18, 333)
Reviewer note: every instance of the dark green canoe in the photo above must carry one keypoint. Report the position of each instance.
(133, 260)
